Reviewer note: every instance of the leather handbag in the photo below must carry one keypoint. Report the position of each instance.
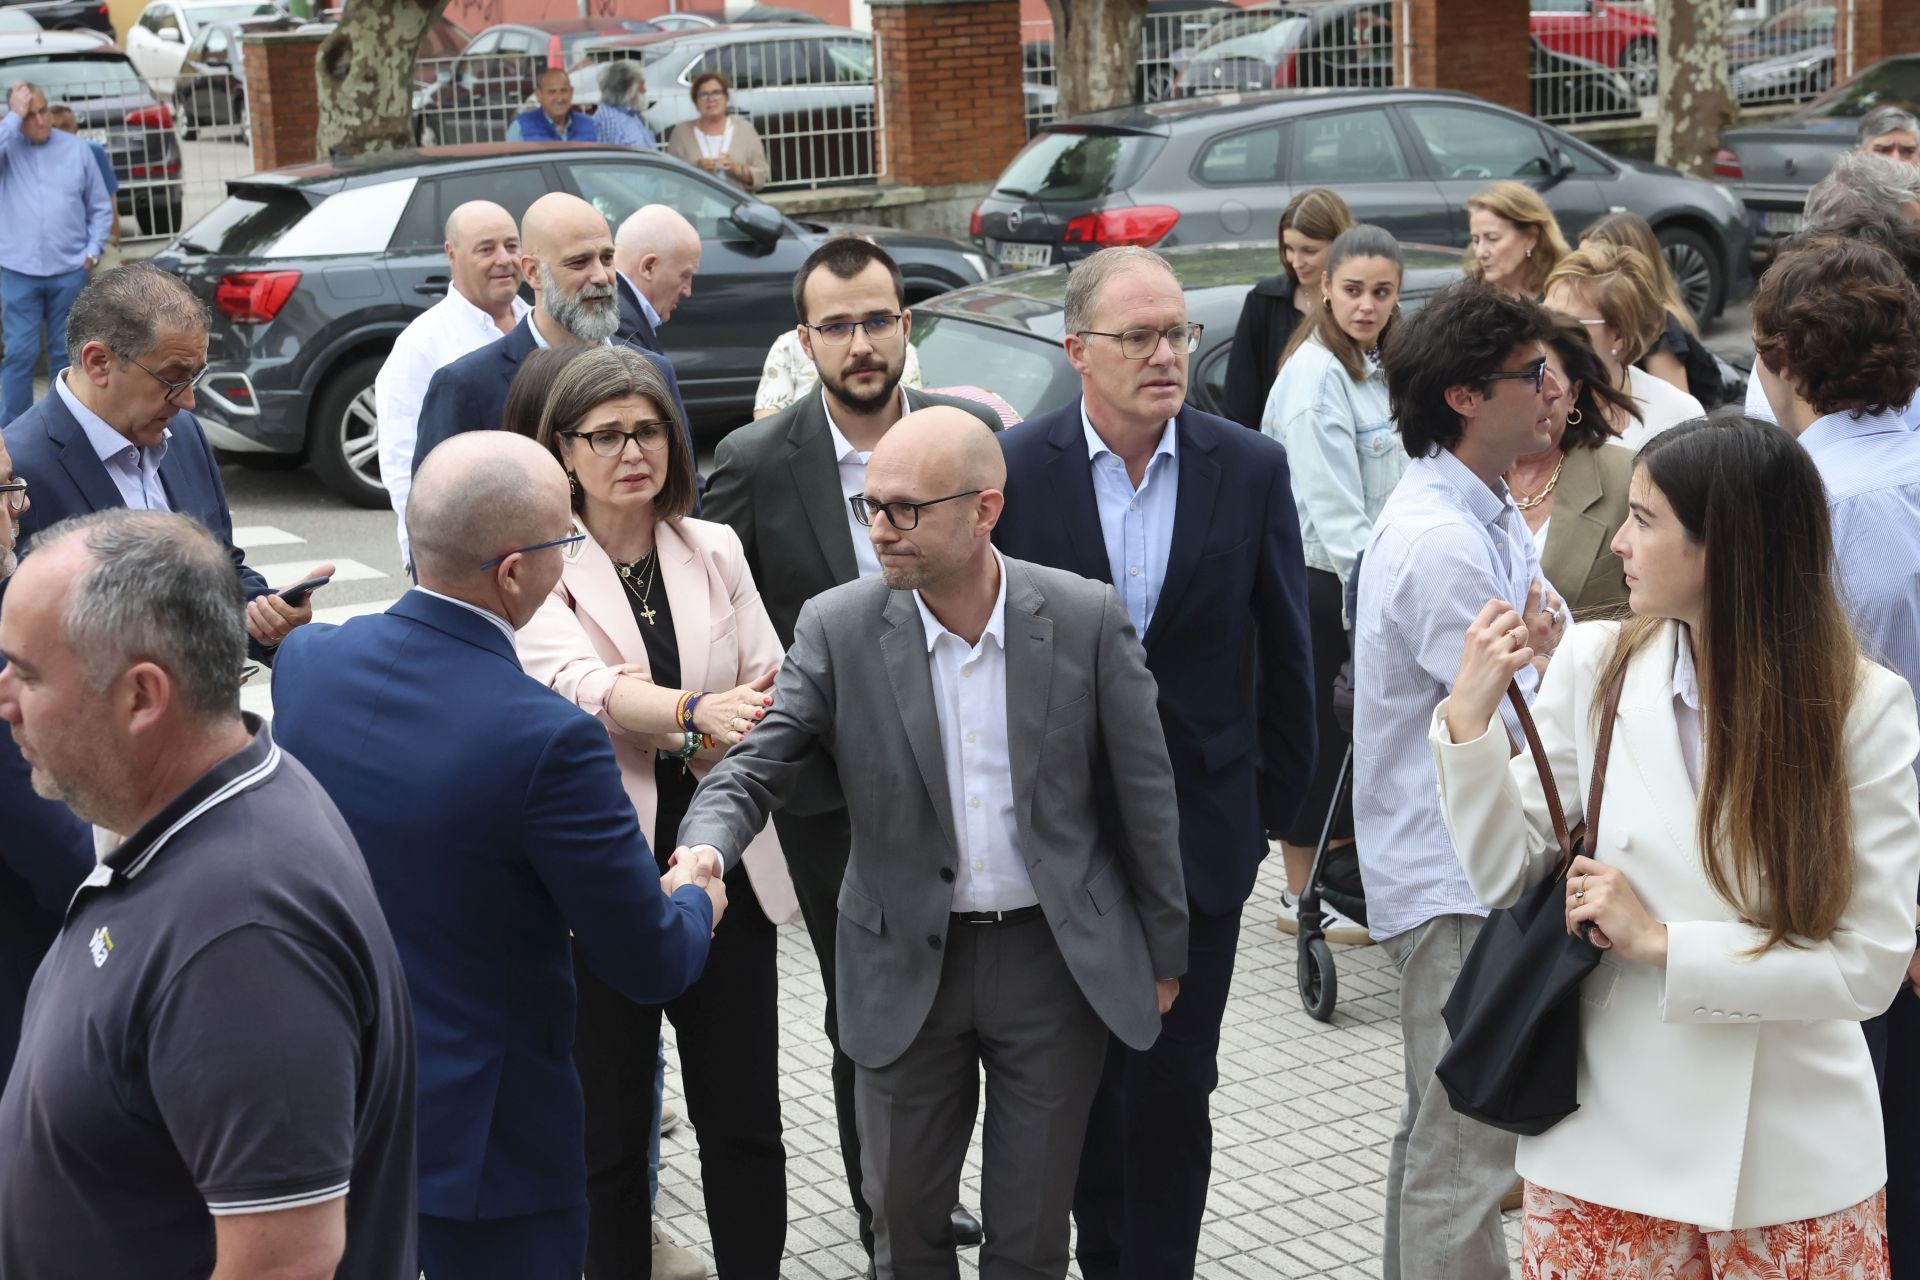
(1514, 1012)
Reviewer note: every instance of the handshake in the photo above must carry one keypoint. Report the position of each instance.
(700, 867)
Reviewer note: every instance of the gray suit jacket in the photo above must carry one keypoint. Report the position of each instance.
(777, 483)
(1080, 704)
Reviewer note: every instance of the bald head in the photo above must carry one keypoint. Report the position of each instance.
(942, 448)
(659, 250)
(477, 219)
(558, 218)
(476, 496)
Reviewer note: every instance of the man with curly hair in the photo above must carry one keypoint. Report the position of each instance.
(1836, 333)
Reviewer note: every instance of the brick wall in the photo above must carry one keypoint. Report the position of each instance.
(950, 97)
(1883, 28)
(283, 96)
(1479, 46)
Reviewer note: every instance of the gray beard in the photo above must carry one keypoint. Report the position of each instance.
(592, 320)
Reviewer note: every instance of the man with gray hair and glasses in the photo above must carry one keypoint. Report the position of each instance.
(1893, 133)
(117, 428)
(216, 1066)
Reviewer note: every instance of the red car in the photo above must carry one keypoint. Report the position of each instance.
(1614, 35)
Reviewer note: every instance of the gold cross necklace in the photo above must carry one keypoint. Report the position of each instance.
(639, 580)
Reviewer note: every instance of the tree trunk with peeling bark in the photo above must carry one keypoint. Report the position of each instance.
(365, 70)
(1696, 103)
(1095, 44)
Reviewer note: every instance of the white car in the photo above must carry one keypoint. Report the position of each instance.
(157, 42)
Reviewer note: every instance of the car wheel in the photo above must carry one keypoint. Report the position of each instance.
(343, 438)
(1640, 60)
(1698, 271)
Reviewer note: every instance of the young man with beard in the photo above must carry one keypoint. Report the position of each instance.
(784, 483)
(566, 254)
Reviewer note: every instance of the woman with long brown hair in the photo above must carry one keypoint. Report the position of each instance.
(1750, 886)
(1275, 305)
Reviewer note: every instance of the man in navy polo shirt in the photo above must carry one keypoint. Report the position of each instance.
(215, 1074)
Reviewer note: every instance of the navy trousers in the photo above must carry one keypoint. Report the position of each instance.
(536, 1246)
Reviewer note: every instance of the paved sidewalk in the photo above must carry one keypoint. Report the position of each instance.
(1301, 1122)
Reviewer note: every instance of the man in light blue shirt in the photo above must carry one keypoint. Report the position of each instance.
(47, 250)
(1471, 391)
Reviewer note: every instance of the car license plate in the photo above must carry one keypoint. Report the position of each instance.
(95, 135)
(1025, 255)
(1783, 222)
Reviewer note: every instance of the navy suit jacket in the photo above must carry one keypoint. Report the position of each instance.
(492, 816)
(45, 852)
(471, 393)
(634, 325)
(1241, 741)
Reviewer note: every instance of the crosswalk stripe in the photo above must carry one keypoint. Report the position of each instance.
(251, 537)
(286, 575)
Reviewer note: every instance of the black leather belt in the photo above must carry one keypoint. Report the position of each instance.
(1014, 916)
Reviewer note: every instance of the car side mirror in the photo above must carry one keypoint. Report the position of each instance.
(170, 34)
(762, 223)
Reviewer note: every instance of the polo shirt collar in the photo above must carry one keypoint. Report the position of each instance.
(241, 771)
(107, 443)
(996, 621)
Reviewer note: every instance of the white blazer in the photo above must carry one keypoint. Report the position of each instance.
(1723, 1091)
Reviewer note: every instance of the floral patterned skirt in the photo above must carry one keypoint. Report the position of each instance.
(1567, 1239)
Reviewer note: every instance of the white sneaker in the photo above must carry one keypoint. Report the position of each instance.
(671, 1262)
(669, 1120)
(1334, 926)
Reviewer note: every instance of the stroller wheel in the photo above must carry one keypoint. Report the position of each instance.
(1319, 988)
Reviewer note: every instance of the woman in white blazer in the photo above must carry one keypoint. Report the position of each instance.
(1752, 884)
(652, 608)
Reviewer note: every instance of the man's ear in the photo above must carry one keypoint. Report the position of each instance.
(1463, 400)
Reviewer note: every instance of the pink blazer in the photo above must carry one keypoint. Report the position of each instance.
(586, 629)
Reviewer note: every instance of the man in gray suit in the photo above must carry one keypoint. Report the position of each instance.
(783, 484)
(992, 915)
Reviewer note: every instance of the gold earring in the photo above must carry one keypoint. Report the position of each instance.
(1574, 416)
(573, 486)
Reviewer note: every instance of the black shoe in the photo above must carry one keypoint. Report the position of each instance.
(966, 1228)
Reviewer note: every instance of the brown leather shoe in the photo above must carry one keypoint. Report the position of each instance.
(671, 1262)
(1516, 1197)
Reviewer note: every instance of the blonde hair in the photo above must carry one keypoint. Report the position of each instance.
(1621, 285)
(1631, 231)
(1521, 205)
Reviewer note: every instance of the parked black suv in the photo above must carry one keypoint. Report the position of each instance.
(311, 272)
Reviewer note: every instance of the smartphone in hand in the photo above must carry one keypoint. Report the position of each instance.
(297, 595)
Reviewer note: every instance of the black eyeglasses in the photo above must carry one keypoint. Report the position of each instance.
(174, 389)
(16, 491)
(904, 516)
(611, 443)
(840, 332)
(1140, 344)
(1535, 373)
(567, 541)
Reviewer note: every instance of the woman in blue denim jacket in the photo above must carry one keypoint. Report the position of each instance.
(1329, 408)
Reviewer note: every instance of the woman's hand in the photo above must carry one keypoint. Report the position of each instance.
(727, 715)
(1497, 647)
(1546, 617)
(1599, 894)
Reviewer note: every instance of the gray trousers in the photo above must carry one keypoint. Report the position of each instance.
(1446, 1173)
(1006, 1003)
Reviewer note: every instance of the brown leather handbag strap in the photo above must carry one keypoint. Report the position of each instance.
(1596, 787)
(1561, 834)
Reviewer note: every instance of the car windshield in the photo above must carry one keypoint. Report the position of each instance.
(71, 79)
(1253, 35)
(1028, 373)
(1895, 83)
(1074, 164)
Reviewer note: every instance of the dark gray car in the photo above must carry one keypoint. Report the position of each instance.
(1772, 167)
(311, 273)
(1212, 170)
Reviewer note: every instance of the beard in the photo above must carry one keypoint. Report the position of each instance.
(867, 403)
(591, 315)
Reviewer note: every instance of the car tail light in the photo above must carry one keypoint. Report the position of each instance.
(157, 116)
(1726, 164)
(169, 170)
(254, 297)
(1142, 225)
(973, 224)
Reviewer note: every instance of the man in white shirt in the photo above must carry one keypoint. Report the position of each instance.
(655, 255)
(481, 306)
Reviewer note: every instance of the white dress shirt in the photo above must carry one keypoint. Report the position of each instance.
(1686, 704)
(449, 329)
(134, 469)
(970, 698)
(1136, 524)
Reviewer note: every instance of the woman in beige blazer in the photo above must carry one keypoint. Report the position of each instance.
(1751, 887)
(652, 609)
(718, 142)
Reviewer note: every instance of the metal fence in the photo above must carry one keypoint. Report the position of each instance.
(168, 171)
(810, 98)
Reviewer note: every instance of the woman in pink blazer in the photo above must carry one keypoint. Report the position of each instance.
(656, 627)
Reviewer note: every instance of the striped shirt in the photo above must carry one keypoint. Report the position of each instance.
(1444, 545)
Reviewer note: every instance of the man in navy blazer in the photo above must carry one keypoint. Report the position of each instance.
(492, 816)
(1191, 518)
(117, 428)
(566, 255)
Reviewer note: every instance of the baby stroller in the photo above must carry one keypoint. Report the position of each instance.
(1335, 876)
